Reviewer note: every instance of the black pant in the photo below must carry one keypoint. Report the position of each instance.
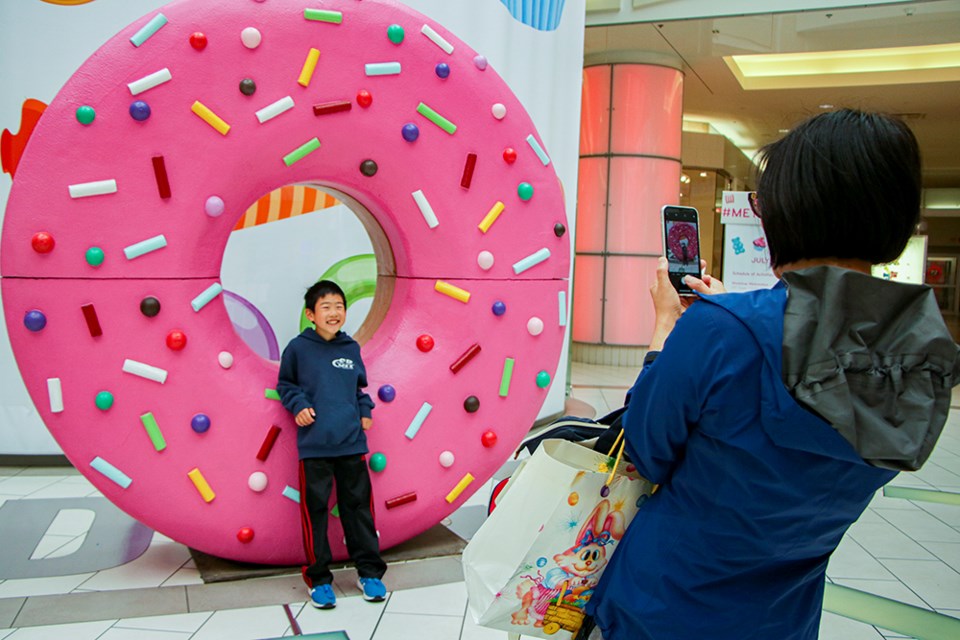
(354, 497)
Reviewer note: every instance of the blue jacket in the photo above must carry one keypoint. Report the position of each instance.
(330, 377)
(756, 490)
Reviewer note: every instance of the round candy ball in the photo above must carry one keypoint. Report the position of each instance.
(378, 462)
(395, 33)
(485, 260)
(42, 242)
(488, 439)
(139, 110)
(543, 379)
(410, 132)
(425, 342)
(214, 206)
(198, 40)
(535, 326)
(364, 98)
(94, 256)
(471, 404)
(103, 400)
(386, 393)
(559, 229)
(248, 87)
(200, 422)
(442, 70)
(257, 481)
(446, 459)
(245, 535)
(368, 168)
(509, 155)
(150, 306)
(499, 111)
(525, 191)
(251, 37)
(480, 62)
(499, 308)
(34, 320)
(176, 340)
(225, 358)
(86, 114)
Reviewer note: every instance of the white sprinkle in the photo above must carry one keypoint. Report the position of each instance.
(98, 188)
(149, 82)
(55, 391)
(273, 110)
(425, 209)
(437, 39)
(145, 371)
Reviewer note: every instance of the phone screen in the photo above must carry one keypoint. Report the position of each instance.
(681, 244)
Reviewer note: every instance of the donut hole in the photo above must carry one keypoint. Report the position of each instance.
(290, 238)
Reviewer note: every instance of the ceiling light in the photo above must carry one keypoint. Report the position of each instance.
(893, 65)
(826, 106)
(703, 174)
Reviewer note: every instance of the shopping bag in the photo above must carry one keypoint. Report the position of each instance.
(534, 563)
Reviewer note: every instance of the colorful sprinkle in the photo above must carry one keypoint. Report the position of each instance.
(208, 116)
(160, 174)
(149, 81)
(147, 30)
(274, 109)
(454, 292)
(153, 431)
(468, 168)
(403, 498)
(298, 154)
(382, 68)
(96, 188)
(436, 39)
(93, 323)
(418, 419)
(268, 443)
(206, 296)
(530, 261)
(537, 149)
(145, 371)
(491, 217)
(506, 376)
(436, 118)
(332, 107)
(322, 15)
(144, 247)
(425, 209)
(55, 393)
(111, 472)
(309, 66)
(202, 486)
(457, 490)
(465, 357)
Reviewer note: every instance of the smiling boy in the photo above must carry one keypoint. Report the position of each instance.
(321, 383)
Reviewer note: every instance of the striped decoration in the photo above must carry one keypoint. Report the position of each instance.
(285, 202)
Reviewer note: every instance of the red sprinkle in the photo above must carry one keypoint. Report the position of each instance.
(466, 357)
(160, 171)
(93, 323)
(332, 107)
(468, 170)
(268, 443)
(401, 499)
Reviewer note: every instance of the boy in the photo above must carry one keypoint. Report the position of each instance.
(320, 383)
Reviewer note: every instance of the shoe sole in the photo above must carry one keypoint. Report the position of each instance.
(322, 606)
(369, 598)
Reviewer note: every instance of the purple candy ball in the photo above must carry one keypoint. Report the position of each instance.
(200, 423)
(34, 320)
(387, 393)
(499, 308)
(139, 110)
(410, 132)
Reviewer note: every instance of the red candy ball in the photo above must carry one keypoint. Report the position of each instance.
(425, 342)
(489, 438)
(509, 155)
(42, 242)
(364, 99)
(245, 535)
(176, 340)
(198, 41)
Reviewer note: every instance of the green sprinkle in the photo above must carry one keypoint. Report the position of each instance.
(301, 151)
(271, 394)
(321, 15)
(395, 33)
(505, 378)
(153, 430)
(436, 118)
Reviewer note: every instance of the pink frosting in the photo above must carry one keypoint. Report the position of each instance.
(239, 168)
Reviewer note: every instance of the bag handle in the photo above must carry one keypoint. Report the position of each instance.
(613, 471)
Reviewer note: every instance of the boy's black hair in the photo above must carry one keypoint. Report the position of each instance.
(320, 289)
(843, 184)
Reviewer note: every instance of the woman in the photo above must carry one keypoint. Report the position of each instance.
(771, 418)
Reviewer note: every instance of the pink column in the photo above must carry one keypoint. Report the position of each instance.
(629, 167)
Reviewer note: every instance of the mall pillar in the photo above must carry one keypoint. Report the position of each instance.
(629, 168)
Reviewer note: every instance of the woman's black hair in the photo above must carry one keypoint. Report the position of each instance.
(843, 184)
(320, 289)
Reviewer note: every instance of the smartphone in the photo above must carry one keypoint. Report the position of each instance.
(681, 244)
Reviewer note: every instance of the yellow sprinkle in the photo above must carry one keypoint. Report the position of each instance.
(457, 490)
(210, 117)
(491, 217)
(309, 65)
(456, 293)
(201, 484)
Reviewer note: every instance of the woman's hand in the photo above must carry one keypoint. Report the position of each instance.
(668, 305)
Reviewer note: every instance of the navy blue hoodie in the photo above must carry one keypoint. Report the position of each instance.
(328, 376)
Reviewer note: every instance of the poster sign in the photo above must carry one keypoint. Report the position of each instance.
(746, 258)
(909, 267)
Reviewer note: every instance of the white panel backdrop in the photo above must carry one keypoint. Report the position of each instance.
(42, 44)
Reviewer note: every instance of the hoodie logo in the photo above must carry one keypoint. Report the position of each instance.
(343, 363)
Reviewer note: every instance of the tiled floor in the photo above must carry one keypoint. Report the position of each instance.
(907, 551)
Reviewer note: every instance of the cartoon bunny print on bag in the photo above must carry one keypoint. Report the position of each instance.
(556, 601)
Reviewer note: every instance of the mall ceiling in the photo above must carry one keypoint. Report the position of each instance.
(751, 118)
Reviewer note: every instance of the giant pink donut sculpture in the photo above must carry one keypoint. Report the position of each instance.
(133, 159)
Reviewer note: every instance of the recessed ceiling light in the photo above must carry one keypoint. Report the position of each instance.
(703, 174)
(783, 130)
(846, 68)
(826, 106)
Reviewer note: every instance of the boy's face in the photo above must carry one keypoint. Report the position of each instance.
(328, 315)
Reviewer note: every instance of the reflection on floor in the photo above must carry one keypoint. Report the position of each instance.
(908, 551)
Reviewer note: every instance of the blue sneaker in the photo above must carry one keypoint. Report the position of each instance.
(323, 597)
(373, 590)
